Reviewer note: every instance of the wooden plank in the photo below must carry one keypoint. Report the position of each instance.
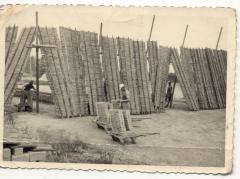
(60, 75)
(214, 76)
(63, 63)
(81, 77)
(84, 73)
(220, 75)
(13, 61)
(184, 83)
(161, 77)
(145, 76)
(58, 111)
(52, 75)
(198, 79)
(125, 61)
(110, 68)
(134, 76)
(202, 79)
(139, 77)
(67, 62)
(189, 69)
(90, 66)
(10, 39)
(114, 64)
(15, 71)
(97, 67)
(209, 80)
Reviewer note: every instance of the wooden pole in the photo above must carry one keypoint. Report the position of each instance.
(219, 37)
(38, 46)
(150, 34)
(100, 36)
(175, 80)
(37, 67)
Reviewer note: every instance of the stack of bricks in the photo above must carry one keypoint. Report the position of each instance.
(17, 153)
(16, 60)
(103, 113)
(18, 146)
(117, 121)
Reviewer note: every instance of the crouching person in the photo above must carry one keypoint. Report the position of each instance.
(26, 97)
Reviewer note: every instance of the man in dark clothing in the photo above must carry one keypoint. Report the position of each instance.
(168, 97)
(29, 86)
(26, 97)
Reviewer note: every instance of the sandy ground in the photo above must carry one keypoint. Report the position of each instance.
(186, 138)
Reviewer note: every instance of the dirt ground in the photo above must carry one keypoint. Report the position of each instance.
(186, 138)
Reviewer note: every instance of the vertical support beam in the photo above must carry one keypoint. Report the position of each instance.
(175, 81)
(100, 36)
(185, 35)
(37, 66)
(219, 37)
(150, 34)
(174, 84)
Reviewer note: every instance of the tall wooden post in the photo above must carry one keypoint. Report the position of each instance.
(175, 80)
(37, 46)
(37, 67)
(219, 37)
(100, 36)
(150, 34)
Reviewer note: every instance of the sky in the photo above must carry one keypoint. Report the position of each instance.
(169, 27)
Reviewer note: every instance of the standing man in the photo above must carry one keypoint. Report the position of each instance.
(168, 97)
(124, 97)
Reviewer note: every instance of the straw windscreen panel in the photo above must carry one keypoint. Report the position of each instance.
(89, 51)
(16, 60)
(70, 43)
(153, 60)
(207, 75)
(218, 73)
(143, 82)
(134, 74)
(10, 39)
(128, 72)
(56, 72)
(188, 92)
(110, 68)
(161, 77)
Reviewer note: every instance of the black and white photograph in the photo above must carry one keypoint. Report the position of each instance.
(138, 88)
